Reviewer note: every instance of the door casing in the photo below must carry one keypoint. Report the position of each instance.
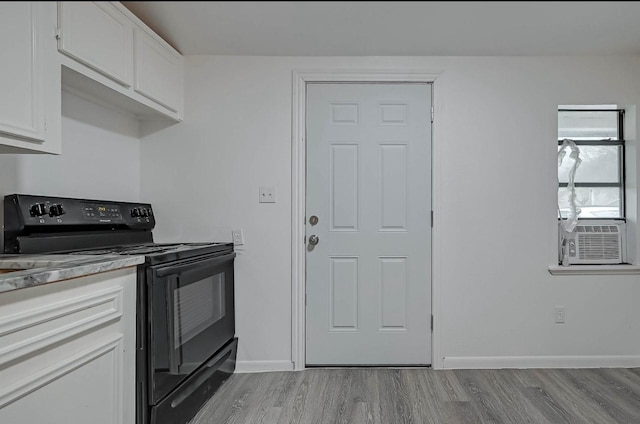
(298, 194)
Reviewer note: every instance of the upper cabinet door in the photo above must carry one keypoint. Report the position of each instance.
(21, 107)
(30, 83)
(98, 35)
(158, 71)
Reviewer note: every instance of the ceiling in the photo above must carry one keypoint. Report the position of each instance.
(386, 28)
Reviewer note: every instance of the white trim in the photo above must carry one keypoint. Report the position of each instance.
(595, 270)
(243, 367)
(497, 362)
(298, 155)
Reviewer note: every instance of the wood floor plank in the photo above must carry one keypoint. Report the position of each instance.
(269, 415)
(620, 399)
(585, 384)
(486, 407)
(547, 406)
(625, 377)
(448, 387)
(259, 399)
(458, 412)
(372, 397)
(574, 399)
(515, 407)
(424, 396)
(427, 409)
(332, 401)
(394, 398)
(294, 404)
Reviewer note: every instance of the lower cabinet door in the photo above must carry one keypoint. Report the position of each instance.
(67, 351)
(84, 389)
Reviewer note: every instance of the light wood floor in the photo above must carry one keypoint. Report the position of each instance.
(392, 396)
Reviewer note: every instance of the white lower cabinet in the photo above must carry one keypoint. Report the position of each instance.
(67, 351)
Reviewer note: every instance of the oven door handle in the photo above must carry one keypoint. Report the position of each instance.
(179, 269)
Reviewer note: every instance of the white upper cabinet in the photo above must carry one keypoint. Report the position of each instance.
(98, 35)
(158, 73)
(30, 84)
(111, 56)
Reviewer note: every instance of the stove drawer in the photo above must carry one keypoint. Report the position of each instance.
(179, 406)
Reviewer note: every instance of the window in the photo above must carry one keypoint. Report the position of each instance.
(599, 180)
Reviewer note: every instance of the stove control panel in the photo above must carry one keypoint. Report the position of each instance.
(141, 212)
(23, 211)
(101, 211)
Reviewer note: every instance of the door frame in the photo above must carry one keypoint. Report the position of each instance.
(300, 78)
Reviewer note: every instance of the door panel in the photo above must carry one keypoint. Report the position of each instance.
(369, 183)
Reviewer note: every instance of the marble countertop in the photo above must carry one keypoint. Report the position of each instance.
(33, 270)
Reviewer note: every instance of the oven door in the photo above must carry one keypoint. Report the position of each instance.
(191, 312)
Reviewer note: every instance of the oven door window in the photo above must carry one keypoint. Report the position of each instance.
(197, 307)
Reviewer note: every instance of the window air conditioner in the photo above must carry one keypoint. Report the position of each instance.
(596, 242)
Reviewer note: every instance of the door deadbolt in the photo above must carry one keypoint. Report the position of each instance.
(313, 220)
(313, 240)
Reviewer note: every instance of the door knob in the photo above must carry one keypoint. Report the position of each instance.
(313, 240)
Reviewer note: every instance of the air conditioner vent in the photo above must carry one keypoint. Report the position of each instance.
(597, 229)
(598, 246)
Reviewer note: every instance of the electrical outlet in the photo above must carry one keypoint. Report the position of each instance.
(559, 314)
(267, 195)
(238, 238)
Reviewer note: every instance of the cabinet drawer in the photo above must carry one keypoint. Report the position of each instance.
(98, 35)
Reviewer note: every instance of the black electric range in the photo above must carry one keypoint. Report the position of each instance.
(186, 344)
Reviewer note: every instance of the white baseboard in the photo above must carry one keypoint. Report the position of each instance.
(496, 362)
(262, 366)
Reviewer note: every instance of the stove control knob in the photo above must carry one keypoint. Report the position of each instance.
(38, 209)
(135, 212)
(145, 212)
(56, 210)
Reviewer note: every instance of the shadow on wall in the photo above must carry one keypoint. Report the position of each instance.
(75, 107)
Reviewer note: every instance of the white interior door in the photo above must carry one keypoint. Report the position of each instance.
(368, 277)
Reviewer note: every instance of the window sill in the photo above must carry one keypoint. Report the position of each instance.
(594, 270)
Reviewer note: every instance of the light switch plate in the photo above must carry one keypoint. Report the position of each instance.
(267, 195)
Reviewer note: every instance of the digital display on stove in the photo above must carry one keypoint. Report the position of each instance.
(101, 212)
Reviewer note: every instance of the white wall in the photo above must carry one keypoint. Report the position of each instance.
(495, 189)
(100, 157)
